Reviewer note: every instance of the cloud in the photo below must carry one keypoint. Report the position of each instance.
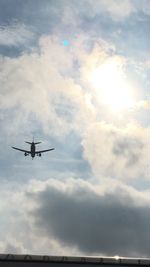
(106, 219)
(12, 246)
(142, 6)
(15, 35)
(119, 152)
(118, 10)
(48, 92)
(18, 233)
(122, 9)
(40, 85)
(76, 217)
(143, 104)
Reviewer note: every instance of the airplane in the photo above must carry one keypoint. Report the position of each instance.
(32, 150)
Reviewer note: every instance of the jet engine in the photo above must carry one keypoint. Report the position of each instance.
(39, 154)
(25, 154)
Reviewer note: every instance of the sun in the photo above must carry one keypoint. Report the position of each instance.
(111, 85)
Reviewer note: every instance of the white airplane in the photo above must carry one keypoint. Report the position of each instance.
(32, 150)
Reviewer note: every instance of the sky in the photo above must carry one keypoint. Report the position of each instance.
(75, 76)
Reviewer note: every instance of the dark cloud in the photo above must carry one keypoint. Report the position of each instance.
(107, 223)
(128, 148)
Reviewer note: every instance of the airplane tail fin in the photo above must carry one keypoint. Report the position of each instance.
(28, 142)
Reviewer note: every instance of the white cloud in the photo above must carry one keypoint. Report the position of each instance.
(142, 6)
(41, 84)
(120, 10)
(39, 88)
(122, 153)
(15, 35)
(117, 9)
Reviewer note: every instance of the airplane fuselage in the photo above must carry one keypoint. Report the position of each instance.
(32, 150)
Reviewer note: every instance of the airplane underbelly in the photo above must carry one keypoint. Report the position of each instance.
(32, 151)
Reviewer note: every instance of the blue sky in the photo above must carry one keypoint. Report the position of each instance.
(76, 77)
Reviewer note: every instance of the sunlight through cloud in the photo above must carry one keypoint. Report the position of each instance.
(111, 85)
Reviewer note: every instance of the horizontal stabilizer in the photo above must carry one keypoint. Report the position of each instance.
(33, 142)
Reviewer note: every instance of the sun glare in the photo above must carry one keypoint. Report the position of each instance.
(112, 87)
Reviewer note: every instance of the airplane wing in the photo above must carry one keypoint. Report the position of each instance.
(41, 151)
(22, 150)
